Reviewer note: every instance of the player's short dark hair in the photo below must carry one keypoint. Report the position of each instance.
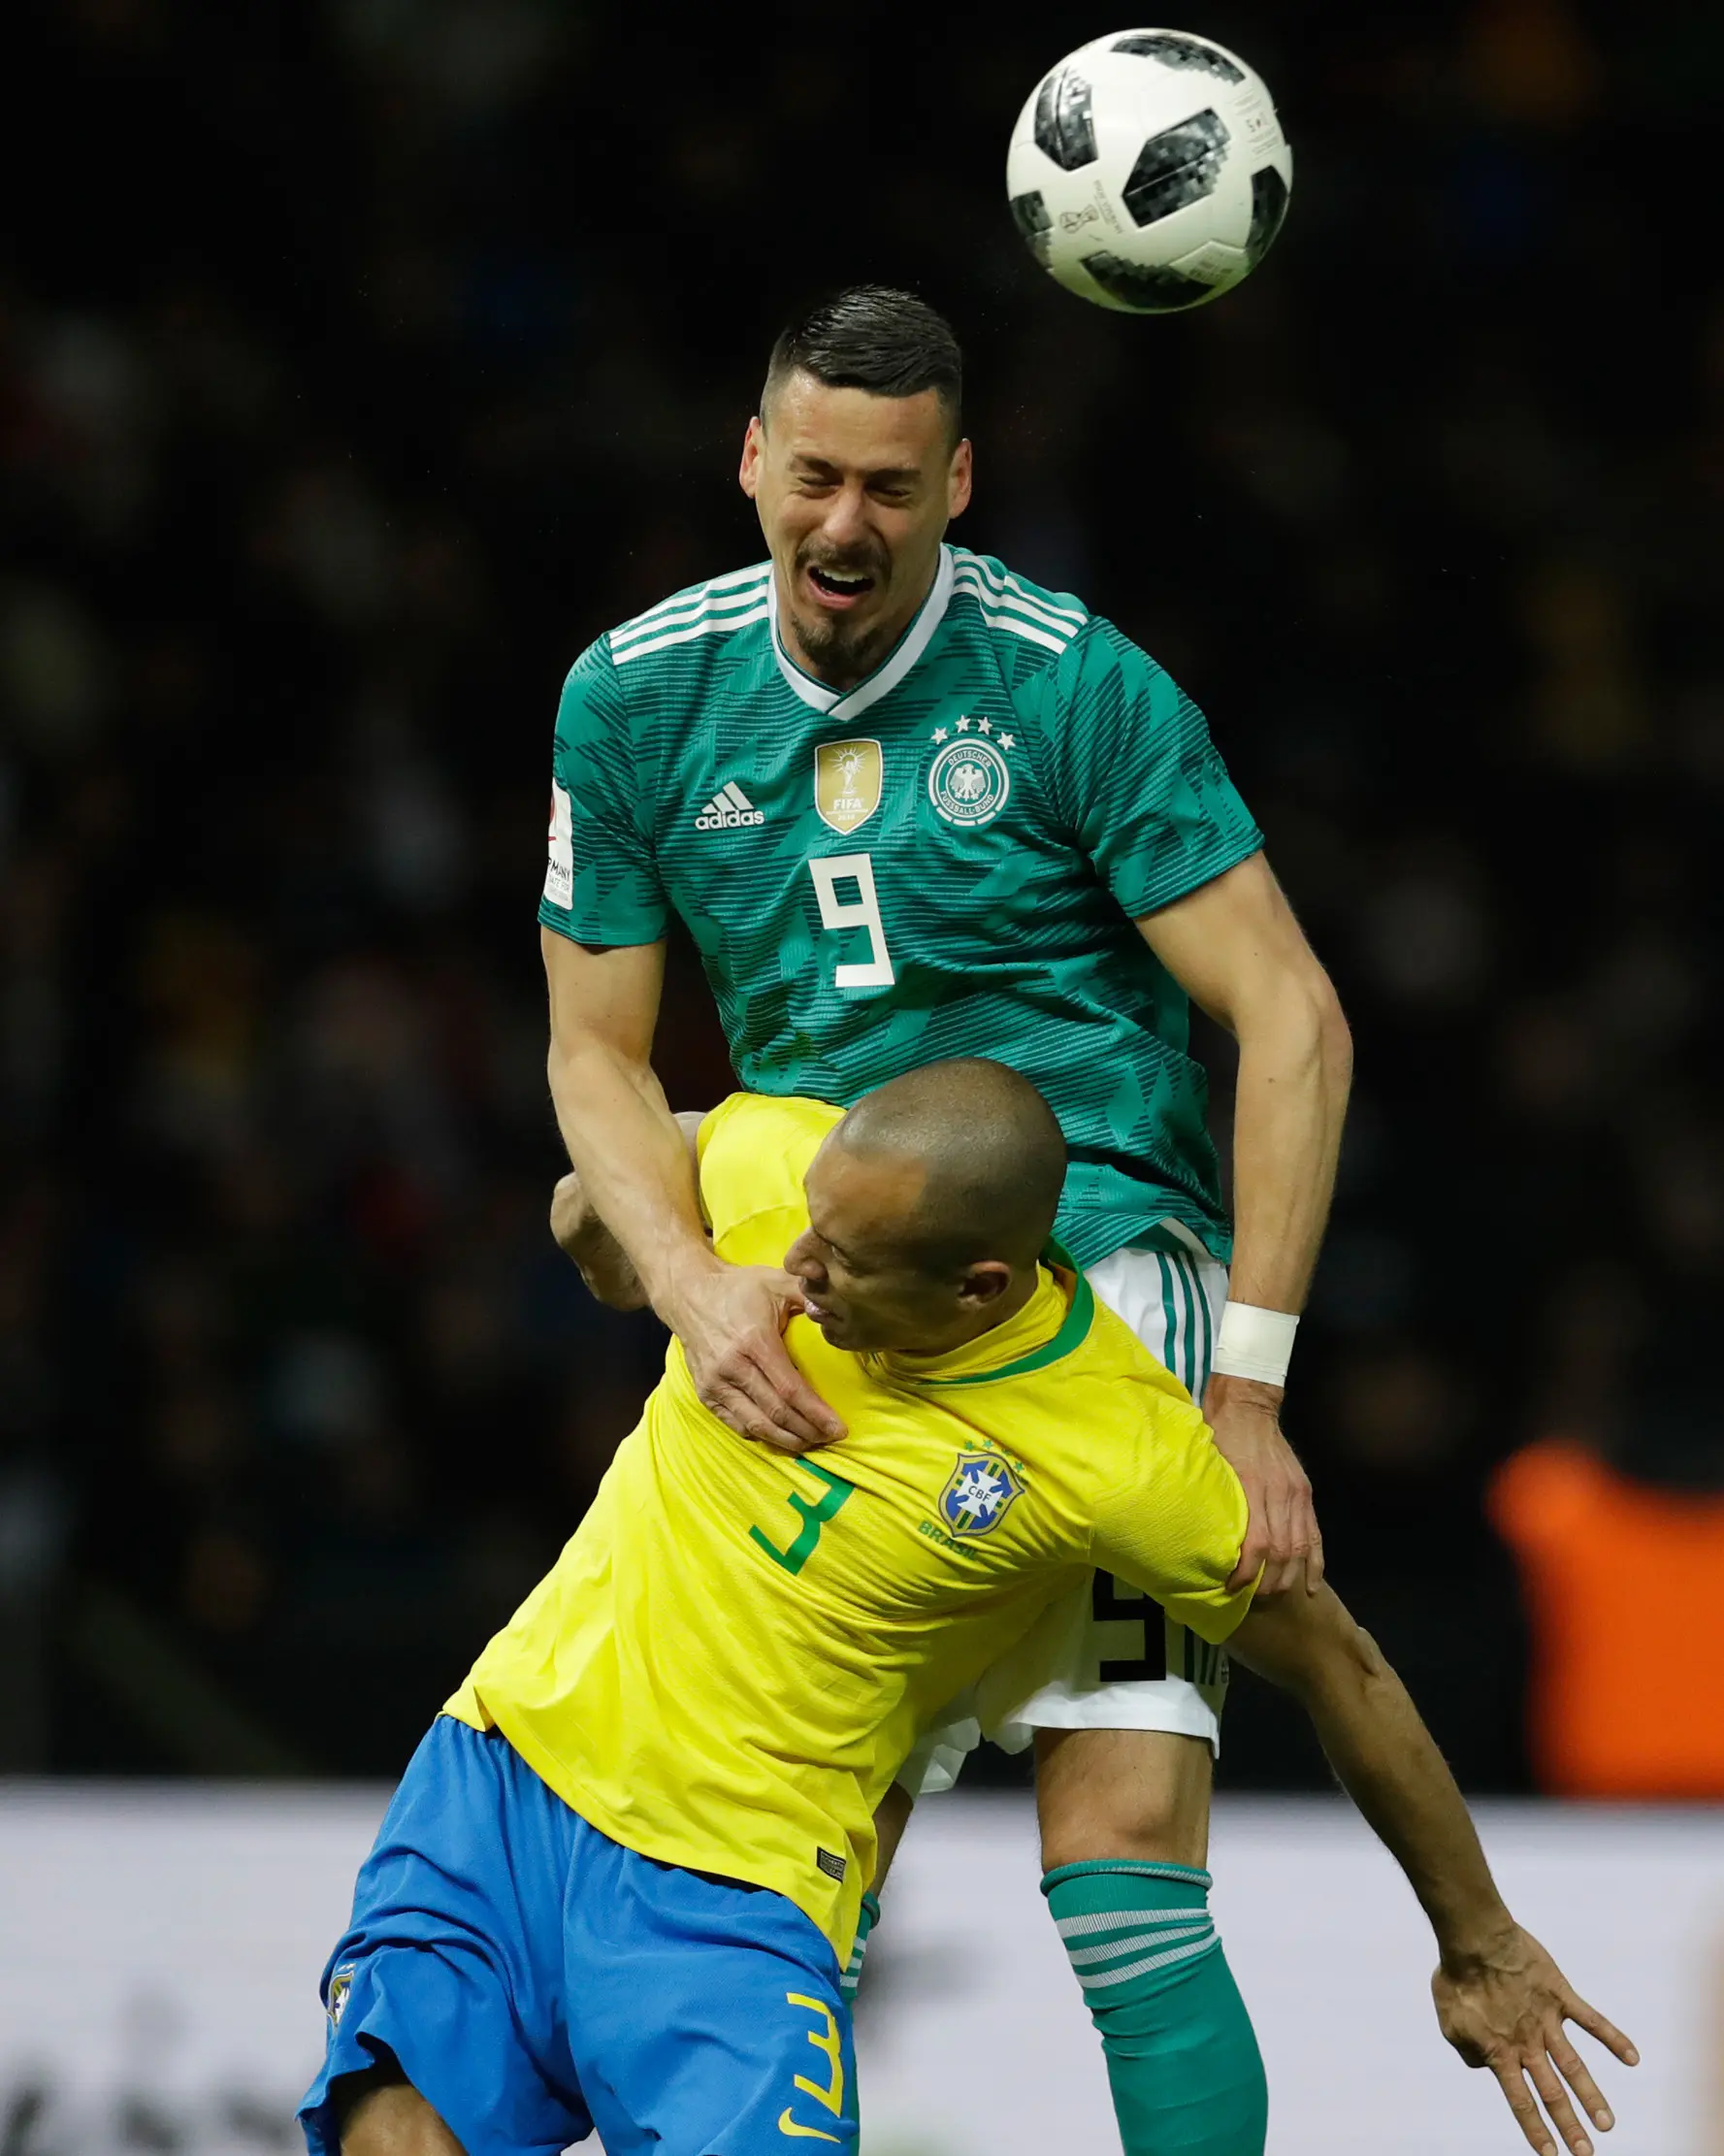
(870, 337)
(994, 1155)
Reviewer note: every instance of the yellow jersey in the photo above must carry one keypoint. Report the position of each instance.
(737, 1651)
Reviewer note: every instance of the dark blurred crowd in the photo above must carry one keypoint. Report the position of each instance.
(360, 361)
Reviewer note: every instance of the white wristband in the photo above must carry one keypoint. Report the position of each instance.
(1255, 1343)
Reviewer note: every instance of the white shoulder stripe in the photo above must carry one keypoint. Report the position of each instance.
(721, 591)
(706, 610)
(1022, 628)
(1006, 586)
(702, 607)
(710, 627)
(1003, 580)
(1020, 603)
(1003, 603)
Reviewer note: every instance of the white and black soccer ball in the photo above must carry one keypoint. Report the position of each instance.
(1148, 171)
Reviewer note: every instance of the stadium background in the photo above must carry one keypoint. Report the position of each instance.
(358, 362)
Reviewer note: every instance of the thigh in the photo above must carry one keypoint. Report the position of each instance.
(705, 2016)
(1140, 1795)
(451, 1964)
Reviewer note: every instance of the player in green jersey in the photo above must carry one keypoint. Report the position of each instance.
(911, 807)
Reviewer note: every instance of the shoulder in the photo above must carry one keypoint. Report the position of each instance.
(691, 620)
(753, 1150)
(1112, 1350)
(673, 643)
(1034, 628)
(754, 1122)
(1104, 693)
(1051, 644)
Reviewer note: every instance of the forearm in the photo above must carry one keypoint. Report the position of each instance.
(1390, 1765)
(637, 1178)
(1295, 1069)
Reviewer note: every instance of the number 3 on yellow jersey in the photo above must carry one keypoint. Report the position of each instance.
(813, 1518)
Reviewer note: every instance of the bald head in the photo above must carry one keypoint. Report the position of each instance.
(930, 1206)
(989, 1150)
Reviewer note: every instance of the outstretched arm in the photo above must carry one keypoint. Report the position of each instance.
(1501, 2000)
(1235, 948)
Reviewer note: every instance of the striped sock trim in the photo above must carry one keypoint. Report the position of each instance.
(1120, 1921)
(1150, 1962)
(1187, 1875)
(851, 1975)
(1176, 1935)
(1107, 1948)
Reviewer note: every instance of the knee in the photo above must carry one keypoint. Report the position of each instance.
(1125, 1795)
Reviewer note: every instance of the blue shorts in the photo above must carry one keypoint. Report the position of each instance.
(534, 1980)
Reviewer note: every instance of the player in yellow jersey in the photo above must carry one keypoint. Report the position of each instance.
(623, 1874)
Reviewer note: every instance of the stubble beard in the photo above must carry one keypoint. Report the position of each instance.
(839, 653)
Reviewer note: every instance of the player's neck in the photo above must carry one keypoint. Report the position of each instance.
(977, 1325)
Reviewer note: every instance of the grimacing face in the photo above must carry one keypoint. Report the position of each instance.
(859, 1284)
(854, 492)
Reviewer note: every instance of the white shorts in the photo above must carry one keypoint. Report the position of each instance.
(1106, 1657)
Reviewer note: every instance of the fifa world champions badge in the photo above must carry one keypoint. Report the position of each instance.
(979, 1492)
(848, 777)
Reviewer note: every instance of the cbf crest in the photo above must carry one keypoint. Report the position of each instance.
(971, 779)
(847, 781)
(979, 1493)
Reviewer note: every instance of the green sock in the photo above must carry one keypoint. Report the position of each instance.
(864, 1924)
(1182, 2059)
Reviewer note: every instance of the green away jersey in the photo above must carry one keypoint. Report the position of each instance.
(946, 860)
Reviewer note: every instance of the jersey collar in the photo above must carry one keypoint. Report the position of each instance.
(847, 703)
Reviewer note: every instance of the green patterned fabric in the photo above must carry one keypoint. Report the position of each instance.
(945, 861)
(1182, 2057)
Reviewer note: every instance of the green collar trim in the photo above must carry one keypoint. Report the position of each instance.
(1074, 1330)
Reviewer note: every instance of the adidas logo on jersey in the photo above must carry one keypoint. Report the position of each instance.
(729, 809)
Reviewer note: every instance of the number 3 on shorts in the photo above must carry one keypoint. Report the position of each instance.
(861, 912)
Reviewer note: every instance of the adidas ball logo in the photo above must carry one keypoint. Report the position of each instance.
(729, 809)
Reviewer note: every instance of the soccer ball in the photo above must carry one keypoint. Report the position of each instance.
(1148, 171)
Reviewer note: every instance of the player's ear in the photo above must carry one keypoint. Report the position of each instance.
(748, 478)
(985, 1283)
(959, 478)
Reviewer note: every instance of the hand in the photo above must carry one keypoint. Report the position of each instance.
(1506, 2010)
(1283, 1535)
(730, 1320)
